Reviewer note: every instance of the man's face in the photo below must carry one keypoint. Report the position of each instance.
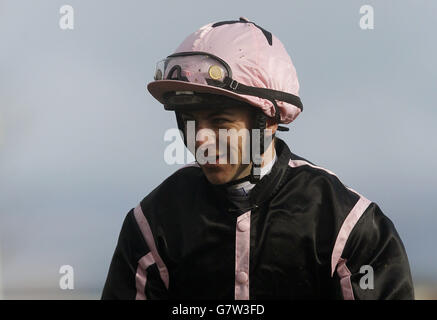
(231, 150)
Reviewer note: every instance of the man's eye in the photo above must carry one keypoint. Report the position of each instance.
(220, 120)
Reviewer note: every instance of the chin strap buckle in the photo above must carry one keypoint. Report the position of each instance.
(233, 85)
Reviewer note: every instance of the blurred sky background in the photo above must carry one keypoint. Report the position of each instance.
(81, 139)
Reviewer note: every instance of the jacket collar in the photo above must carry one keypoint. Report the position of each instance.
(270, 184)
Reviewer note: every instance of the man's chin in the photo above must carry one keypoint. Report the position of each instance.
(216, 175)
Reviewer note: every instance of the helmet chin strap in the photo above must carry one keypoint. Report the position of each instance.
(255, 157)
(246, 182)
(255, 172)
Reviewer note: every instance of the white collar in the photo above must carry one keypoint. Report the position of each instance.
(243, 188)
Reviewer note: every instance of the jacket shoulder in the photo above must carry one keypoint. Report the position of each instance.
(319, 181)
(182, 183)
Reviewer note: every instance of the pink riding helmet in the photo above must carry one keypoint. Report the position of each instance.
(237, 59)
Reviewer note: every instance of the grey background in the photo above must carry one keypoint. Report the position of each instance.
(81, 140)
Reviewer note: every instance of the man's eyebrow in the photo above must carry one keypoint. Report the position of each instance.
(220, 112)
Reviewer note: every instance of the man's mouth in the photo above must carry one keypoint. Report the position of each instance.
(216, 163)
